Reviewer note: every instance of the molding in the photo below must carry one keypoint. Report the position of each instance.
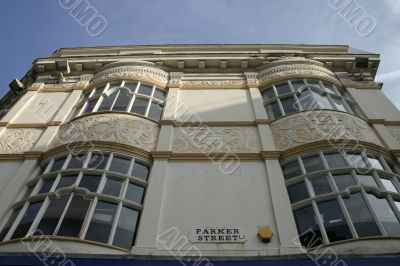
(31, 125)
(18, 140)
(216, 157)
(131, 72)
(251, 79)
(96, 145)
(178, 123)
(334, 144)
(175, 79)
(396, 153)
(61, 87)
(271, 155)
(214, 84)
(32, 155)
(311, 126)
(295, 68)
(376, 121)
(111, 127)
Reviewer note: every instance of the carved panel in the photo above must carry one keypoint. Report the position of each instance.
(395, 131)
(308, 127)
(119, 128)
(231, 83)
(18, 140)
(142, 73)
(214, 139)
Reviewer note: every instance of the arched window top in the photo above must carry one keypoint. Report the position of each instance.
(126, 96)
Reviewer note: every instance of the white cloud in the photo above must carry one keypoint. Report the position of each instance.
(388, 76)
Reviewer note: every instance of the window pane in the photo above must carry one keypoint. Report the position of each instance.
(282, 88)
(90, 182)
(321, 185)
(112, 187)
(322, 101)
(108, 100)
(73, 219)
(76, 161)
(9, 223)
(297, 84)
(102, 220)
(356, 160)
(329, 87)
(98, 161)
(361, 216)
(139, 106)
(122, 102)
(273, 110)
(289, 105)
(159, 94)
(367, 180)
(397, 203)
(392, 165)
(310, 235)
(131, 86)
(155, 111)
(27, 219)
(344, 181)
(388, 184)
(126, 228)
(335, 224)
(307, 101)
(66, 181)
(57, 165)
(134, 193)
(140, 170)
(50, 219)
(335, 160)
(298, 192)
(46, 186)
(339, 104)
(313, 82)
(120, 164)
(375, 163)
(385, 215)
(312, 163)
(29, 190)
(90, 106)
(291, 169)
(145, 89)
(268, 94)
(98, 91)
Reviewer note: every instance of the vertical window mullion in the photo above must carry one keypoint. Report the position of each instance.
(148, 106)
(88, 219)
(320, 223)
(347, 217)
(130, 104)
(115, 223)
(63, 214)
(39, 216)
(115, 100)
(376, 218)
(17, 221)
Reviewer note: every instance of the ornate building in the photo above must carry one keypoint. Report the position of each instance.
(200, 155)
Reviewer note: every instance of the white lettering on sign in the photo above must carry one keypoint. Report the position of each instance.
(216, 234)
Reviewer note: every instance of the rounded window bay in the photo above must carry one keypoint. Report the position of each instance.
(92, 195)
(305, 94)
(342, 195)
(126, 96)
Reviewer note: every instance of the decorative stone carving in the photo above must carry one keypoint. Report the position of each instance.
(142, 73)
(294, 68)
(395, 131)
(251, 79)
(119, 128)
(231, 84)
(175, 79)
(18, 140)
(216, 139)
(308, 127)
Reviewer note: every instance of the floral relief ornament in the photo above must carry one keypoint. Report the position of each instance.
(18, 140)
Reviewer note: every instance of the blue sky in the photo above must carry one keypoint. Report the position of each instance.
(32, 29)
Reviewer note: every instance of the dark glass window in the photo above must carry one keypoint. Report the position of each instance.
(307, 101)
(335, 160)
(134, 193)
(367, 180)
(120, 164)
(51, 217)
(298, 192)
(90, 182)
(47, 184)
(27, 219)
(385, 215)
(9, 223)
(112, 187)
(297, 84)
(76, 161)
(139, 106)
(361, 216)
(98, 161)
(98, 91)
(108, 100)
(356, 160)
(329, 87)
(131, 86)
(321, 186)
(339, 104)
(155, 111)
(159, 94)
(291, 169)
(268, 94)
(289, 105)
(101, 223)
(310, 234)
(344, 181)
(140, 170)
(273, 110)
(125, 232)
(145, 89)
(29, 190)
(90, 106)
(312, 163)
(74, 217)
(282, 88)
(66, 181)
(57, 165)
(123, 99)
(335, 224)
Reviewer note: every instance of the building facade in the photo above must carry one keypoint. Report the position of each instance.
(199, 154)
